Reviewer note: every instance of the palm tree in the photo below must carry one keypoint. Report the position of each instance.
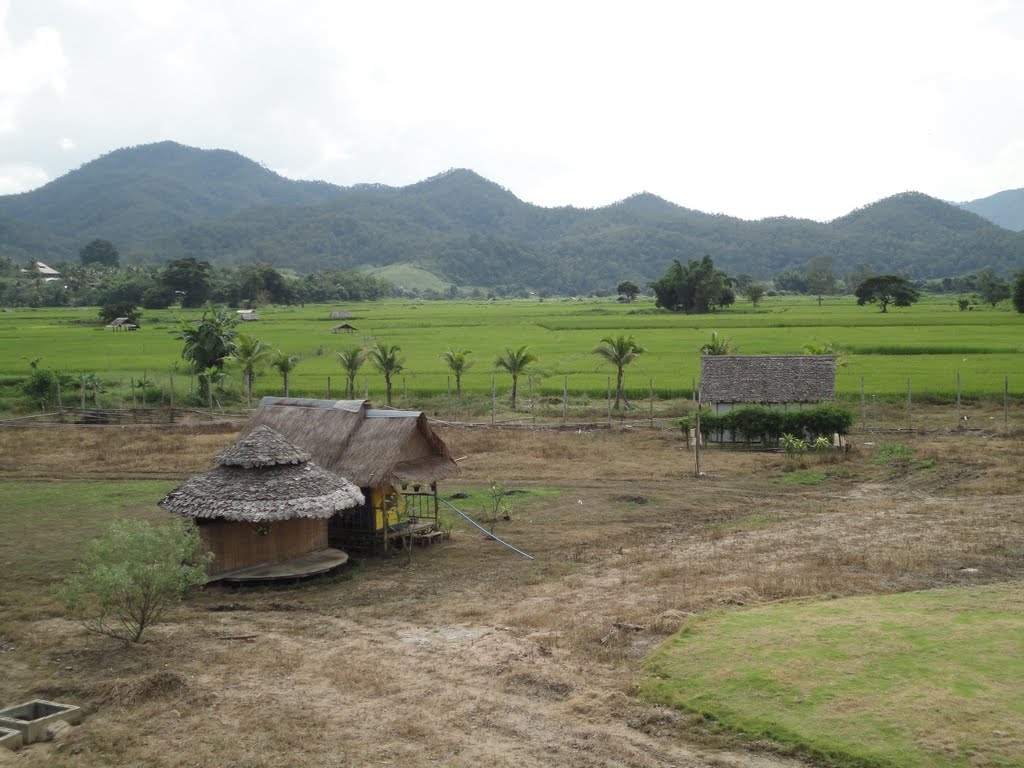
(620, 351)
(458, 361)
(351, 360)
(209, 341)
(515, 362)
(284, 364)
(248, 353)
(384, 357)
(718, 346)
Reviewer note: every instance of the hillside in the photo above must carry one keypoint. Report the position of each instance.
(1003, 208)
(166, 201)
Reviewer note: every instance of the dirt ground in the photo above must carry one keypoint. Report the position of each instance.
(471, 655)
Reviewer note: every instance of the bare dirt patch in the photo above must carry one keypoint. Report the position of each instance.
(471, 655)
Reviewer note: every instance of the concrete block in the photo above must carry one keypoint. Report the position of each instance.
(33, 718)
(10, 738)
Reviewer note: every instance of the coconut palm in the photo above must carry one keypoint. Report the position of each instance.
(719, 346)
(515, 362)
(351, 360)
(385, 358)
(285, 364)
(248, 353)
(458, 361)
(620, 351)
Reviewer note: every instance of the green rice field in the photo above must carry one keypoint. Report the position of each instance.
(928, 344)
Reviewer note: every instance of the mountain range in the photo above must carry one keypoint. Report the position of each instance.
(165, 200)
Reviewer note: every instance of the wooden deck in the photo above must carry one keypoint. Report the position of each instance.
(304, 565)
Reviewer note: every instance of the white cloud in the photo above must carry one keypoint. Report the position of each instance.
(18, 178)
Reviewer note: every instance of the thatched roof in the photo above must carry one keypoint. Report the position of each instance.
(365, 445)
(261, 478)
(343, 327)
(767, 379)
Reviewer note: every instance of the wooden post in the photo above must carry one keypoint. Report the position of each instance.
(171, 412)
(449, 397)
(82, 393)
(60, 402)
(131, 380)
(405, 393)
(959, 423)
(609, 401)
(493, 398)
(328, 387)
(696, 444)
(650, 394)
(120, 394)
(874, 409)
(533, 411)
(565, 398)
(863, 407)
(910, 421)
(1006, 402)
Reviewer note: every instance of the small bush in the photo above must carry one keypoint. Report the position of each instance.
(131, 575)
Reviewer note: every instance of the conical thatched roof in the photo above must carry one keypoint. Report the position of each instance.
(261, 478)
(263, 447)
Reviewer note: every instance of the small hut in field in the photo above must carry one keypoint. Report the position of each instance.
(122, 324)
(264, 510)
(344, 327)
(777, 380)
(394, 457)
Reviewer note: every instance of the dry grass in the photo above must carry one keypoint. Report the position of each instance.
(472, 655)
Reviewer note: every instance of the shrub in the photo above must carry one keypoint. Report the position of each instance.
(131, 575)
(750, 422)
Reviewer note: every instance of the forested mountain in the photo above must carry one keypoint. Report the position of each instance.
(1003, 208)
(168, 201)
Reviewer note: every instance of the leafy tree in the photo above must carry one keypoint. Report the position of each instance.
(620, 351)
(963, 304)
(791, 280)
(100, 252)
(695, 289)
(820, 278)
(1017, 294)
(209, 342)
(351, 360)
(755, 292)
(886, 290)
(248, 353)
(41, 386)
(285, 364)
(515, 362)
(629, 289)
(188, 278)
(991, 288)
(386, 359)
(458, 361)
(131, 575)
(110, 312)
(719, 346)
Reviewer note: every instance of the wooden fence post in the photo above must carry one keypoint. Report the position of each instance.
(910, 421)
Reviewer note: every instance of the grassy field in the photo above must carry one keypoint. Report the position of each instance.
(471, 655)
(928, 344)
(917, 680)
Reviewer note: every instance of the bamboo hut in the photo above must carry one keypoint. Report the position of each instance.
(264, 510)
(394, 457)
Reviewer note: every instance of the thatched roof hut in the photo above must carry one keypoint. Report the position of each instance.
(264, 503)
(344, 327)
(365, 445)
(767, 379)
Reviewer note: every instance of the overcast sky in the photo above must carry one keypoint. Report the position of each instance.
(752, 109)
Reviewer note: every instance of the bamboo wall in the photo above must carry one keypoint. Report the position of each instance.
(240, 545)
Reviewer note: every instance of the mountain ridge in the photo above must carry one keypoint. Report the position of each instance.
(166, 200)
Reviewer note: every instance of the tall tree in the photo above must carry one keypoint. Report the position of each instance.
(285, 364)
(821, 280)
(208, 342)
(387, 360)
(351, 359)
(515, 362)
(620, 351)
(628, 289)
(1017, 293)
(99, 251)
(755, 292)
(886, 290)
(248, 353)
(695, 289)
(189, 279)
(458, 361)
(991, 287)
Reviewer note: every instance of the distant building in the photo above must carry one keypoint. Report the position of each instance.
(247, 315)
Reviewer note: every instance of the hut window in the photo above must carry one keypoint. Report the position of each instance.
(261, 529)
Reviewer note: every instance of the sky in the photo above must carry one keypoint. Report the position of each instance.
(752, 109)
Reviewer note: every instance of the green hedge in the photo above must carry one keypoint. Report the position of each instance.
(753, 422)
